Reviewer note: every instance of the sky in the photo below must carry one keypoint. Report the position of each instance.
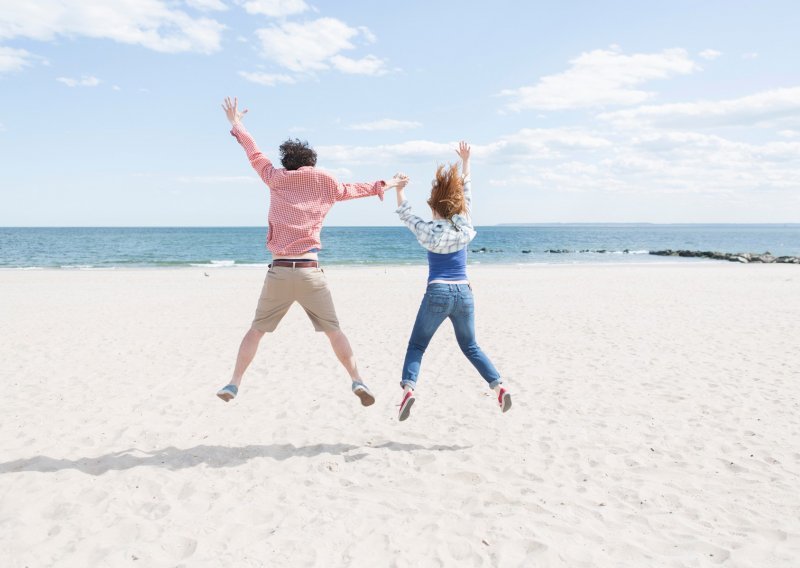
(577, 111)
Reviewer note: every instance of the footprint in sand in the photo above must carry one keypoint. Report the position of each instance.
(59, 511)
(714, 554)
(424, 459)
(154, 511)
(180, 547)
(467, 477)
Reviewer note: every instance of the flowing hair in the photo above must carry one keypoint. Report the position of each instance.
(447, 193)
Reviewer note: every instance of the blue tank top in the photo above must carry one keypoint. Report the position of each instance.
(449, 266)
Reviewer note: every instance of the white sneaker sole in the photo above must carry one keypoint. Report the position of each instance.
(366, 397)
(506, 406)
(405, 412)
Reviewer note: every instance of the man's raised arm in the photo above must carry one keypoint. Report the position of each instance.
(259, 161)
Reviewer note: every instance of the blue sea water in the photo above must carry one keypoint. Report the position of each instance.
(87, 247)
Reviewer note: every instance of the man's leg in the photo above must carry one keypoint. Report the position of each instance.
(315, 297)
(247, 350)
(345, 355)
(341, 346)
(274, 302)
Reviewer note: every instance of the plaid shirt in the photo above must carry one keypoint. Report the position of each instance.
(442, 236)
(299, 199)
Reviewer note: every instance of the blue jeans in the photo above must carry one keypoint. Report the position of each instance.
(442, 301)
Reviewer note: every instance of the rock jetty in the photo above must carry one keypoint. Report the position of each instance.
(743, 257)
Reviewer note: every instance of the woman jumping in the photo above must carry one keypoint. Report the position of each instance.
(449, 294)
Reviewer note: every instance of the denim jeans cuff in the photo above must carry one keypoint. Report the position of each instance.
(408, 383)
(495, 383)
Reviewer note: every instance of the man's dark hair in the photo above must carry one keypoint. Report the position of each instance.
(296, 153)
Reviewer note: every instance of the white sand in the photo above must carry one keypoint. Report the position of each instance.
(656, 422)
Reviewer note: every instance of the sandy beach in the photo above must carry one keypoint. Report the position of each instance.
(656, 422)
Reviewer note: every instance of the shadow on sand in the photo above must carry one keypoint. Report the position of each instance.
(212, 456)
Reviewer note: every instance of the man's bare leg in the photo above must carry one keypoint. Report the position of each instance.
(341, 346)
(344, 353)
(247, 351)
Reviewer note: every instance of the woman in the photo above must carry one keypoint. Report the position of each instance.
(449, 294)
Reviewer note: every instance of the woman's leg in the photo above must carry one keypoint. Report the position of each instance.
(463, 318)
(432, 312)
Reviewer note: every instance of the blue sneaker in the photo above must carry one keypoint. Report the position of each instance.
(228, 392)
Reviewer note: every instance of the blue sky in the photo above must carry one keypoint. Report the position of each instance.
(577, 111)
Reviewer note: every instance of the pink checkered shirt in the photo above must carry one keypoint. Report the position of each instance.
(299, 199)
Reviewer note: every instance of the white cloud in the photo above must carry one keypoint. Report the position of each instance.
(369, 37)
(339, 173)
(601, 77)
(525, 145)
(315, 45)
(710, 54)
(154, 24)
(789, 133)
(672, 162)
(750, 55)
(369, 65)
(761, 108)
(639, 163)
(207, 5)
(386, 124)
(405, 151)
(275, 8)
(268, 79)
(565, 177)
(556, 138)
(84, 81)
(13, 59)
(216, 179)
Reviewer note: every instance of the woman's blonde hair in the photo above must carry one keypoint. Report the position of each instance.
(447, 194)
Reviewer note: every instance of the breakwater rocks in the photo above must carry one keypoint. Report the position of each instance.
(744, 257)
(563, 251)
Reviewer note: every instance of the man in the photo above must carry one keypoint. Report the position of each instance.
(300, 197)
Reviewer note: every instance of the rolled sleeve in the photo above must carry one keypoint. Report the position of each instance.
(345, 191)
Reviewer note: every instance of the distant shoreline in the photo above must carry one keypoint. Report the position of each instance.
(554, 224)
(647, 225)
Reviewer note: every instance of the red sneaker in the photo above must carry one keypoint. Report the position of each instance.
(504, 400)
(405, 406)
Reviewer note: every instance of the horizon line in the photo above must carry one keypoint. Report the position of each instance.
(542, 224)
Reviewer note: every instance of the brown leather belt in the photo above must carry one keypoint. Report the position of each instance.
(295, 263)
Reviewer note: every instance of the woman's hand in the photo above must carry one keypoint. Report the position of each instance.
(463, 151)
(398, 182)
(232, 111)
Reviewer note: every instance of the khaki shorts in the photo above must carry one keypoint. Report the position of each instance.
(284, 286)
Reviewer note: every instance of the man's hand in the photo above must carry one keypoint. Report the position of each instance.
(399, 181)
(232, 111)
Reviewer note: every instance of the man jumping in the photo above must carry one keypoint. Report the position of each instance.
(300, 197)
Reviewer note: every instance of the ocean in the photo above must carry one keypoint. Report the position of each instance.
(222, 247)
